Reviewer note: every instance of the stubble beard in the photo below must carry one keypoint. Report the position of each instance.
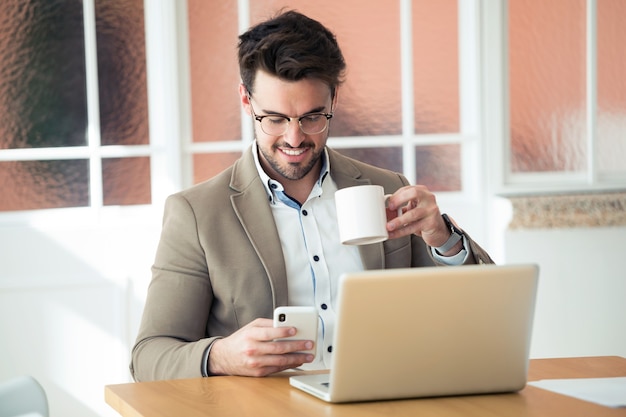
(292, 172)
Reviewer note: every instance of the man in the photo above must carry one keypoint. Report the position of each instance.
(263, 233)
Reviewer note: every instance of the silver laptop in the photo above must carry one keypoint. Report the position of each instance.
(426, 332)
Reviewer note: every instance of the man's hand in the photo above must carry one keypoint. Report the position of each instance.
(420, 215)
(252, 351)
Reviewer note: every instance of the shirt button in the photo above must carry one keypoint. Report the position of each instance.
(330, 349)
(274, 186)
(316, 258)
(305, 213)
(324, 306)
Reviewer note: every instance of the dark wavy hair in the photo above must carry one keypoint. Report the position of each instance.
(292, 47)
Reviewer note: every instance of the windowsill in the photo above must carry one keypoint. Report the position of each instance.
(568, 211)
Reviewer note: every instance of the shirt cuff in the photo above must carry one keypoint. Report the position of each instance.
(458, 259)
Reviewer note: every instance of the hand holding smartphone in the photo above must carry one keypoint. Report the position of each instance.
(304, 319)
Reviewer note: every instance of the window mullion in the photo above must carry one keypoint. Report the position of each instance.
(468, 67)
(93, 105)
(494, 96)
(243, 14)
(408, 105)
(472, 169)
(592, 90)
(164, 98)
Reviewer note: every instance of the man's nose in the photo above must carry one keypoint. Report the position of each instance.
(294, 135)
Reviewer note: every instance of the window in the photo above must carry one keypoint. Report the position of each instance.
(73, 122)
(566, 123)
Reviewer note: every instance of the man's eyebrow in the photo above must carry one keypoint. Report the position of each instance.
(319, 109)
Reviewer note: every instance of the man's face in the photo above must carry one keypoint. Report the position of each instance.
(294, 154)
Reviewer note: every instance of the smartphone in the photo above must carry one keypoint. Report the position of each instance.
(304, 319)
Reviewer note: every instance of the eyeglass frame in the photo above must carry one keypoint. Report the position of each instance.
(259, 119)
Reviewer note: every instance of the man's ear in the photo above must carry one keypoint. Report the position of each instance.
(244, 97)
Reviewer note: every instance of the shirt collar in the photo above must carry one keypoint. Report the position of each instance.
(272, 186)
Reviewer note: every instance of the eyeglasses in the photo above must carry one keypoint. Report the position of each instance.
(277, 125)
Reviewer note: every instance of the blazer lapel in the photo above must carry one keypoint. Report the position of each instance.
(251, 204)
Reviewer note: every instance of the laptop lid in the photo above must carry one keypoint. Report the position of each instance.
(424, 332)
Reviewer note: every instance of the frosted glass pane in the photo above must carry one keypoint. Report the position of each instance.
(547, 85)
(32, 185)
(436, 66)
(126, 181)
(206, 166)
(389, 158)
(215, 108)
(439, 167)
(611, 121)
(369, 35)
(42, 74)
(122, 72)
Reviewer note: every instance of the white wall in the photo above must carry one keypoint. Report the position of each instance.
(71, 292)
(581, 304)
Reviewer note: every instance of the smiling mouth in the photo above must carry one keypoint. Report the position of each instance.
(293, 151)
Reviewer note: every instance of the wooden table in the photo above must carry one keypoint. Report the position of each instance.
(272, 396)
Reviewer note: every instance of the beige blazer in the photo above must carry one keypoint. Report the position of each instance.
(219, 264)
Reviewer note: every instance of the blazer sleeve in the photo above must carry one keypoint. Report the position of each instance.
(171, 340)
(476, 254)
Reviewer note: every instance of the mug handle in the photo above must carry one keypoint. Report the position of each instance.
(399, 212)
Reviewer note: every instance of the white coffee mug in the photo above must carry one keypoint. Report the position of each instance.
(361, 214)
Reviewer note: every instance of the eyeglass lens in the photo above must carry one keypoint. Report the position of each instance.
(309, 124)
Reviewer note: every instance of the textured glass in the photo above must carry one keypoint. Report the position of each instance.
(42, 74)
(206, 166)
(439, 167)
(126, 181)
(368, 33)
(388, 158)
(547, 85)
(436, 66)
(611, 117)
(122, 72)
(31, 185)
(214, 73)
